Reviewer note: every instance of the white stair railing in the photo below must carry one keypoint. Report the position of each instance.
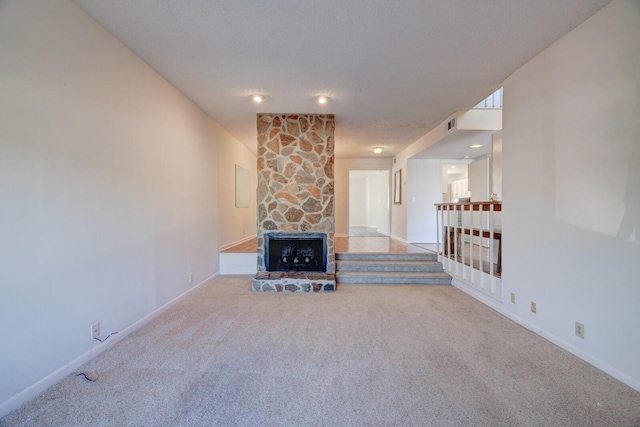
(492, 101)
(466, 240)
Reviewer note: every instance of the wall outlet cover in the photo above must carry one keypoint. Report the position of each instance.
(95, 330)
(579, 330)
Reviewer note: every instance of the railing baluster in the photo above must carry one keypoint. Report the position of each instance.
(491, 248)
(455, 241)
(449, 237)
(473, 218)
(462, 251)
(480, 251)
(438, 231)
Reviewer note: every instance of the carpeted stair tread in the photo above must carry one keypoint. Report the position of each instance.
(390, 268)
(381, 256)
(417, 266)
(377, 277)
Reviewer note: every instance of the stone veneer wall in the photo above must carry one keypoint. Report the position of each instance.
(295, 177)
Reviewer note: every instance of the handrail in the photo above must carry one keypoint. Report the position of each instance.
(466, 206)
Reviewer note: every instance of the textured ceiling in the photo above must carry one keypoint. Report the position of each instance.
(392, 69)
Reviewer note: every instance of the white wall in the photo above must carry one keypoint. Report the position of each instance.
(341, 172)
(496, 164)
(571, 167)
(480, 119)
(109, 189)
(479, 179)
(239, 223)
(399, 212)
(382, 202)
(424, 190)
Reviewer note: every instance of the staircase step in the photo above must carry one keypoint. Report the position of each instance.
(390, 268)
(387, 266)
(422, 278)
(379, 256)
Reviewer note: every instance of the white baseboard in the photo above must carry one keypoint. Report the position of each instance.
(341, 235)
(499, 307)
(35, 389)
(398, 238)
(230, 245)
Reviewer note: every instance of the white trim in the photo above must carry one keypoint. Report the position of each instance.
(241, 272)
(238, 263)
(499, 307)
(341, 235)
(398, 238)
(238, 242)
(17, 400)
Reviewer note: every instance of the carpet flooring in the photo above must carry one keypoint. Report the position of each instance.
(363, 356)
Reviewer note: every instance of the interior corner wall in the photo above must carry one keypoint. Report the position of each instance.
(496, 164)
(109, 190)
(479, 179)
(341, 169)
(239, 223)
(571, 182)
(400, 161)
(382, 202)
(424, 190)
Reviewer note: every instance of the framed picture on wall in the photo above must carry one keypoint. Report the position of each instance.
(397, 183)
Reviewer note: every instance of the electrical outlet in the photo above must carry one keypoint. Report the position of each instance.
(191, 277)
(95, 330)
(579, 330)
(513, 298)
(534, 308)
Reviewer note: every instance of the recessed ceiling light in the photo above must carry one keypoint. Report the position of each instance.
(322, 99)
(257, 98)
(377, 150)
(475, 146)
(453, 167)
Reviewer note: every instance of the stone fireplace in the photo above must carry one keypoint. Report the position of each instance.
(295, 199)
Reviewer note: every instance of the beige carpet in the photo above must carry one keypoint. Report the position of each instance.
(362, 356)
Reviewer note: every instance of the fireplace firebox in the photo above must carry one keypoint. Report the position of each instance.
(296, 252)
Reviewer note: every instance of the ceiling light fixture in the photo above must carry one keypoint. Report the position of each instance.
(475, 146)
(322, 99)
(257, 98)
(377, 150)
